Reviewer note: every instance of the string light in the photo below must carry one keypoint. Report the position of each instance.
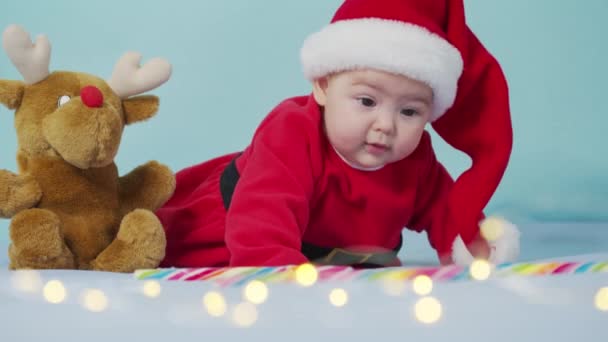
(601, 299)
(428, 310)
(256, 292)
(423, 285)
(480, 269)
(492, 228)
(27, 281)
(214, 304)
(95, 300)
(245, 314)
(306, 275)
(393, 287)
(338, 297)
(54, 292)
(151, 289)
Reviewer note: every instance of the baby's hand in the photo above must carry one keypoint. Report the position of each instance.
(503, 239)
(501, 244)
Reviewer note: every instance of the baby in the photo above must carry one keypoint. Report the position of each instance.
(334, 177)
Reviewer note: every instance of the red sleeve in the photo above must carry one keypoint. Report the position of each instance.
(431, 202)
(434, 182)
(270, 206)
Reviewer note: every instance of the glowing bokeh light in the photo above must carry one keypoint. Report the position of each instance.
(601, 299)
(306, 275)
(393, 287)
(338, 297)
(95, 300)
(151, 288)
(423, 285)
(256, 292)
(215, 304)
(480, 269)
(245, 314)
(54, 292)
(492, 228)
(27, 281)
(428, 310)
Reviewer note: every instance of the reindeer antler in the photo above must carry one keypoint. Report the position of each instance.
(32, 60)
(128, 78)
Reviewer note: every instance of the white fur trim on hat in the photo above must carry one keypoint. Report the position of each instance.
(387, 45)
(504, 247)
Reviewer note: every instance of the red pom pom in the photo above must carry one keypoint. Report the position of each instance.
(91, 96)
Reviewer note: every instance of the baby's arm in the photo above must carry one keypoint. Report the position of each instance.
(17, 192)
(270, 207)
(433, 190)
(148, 186)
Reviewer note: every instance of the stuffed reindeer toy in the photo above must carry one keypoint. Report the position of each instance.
(69, 207)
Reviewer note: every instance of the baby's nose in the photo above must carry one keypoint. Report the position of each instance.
(384, 123)
(91, 96)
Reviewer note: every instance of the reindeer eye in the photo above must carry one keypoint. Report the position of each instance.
(63, 100)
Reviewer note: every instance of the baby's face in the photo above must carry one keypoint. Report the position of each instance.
(373, 118)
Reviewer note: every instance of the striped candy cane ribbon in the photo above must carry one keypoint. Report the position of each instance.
(238, 276)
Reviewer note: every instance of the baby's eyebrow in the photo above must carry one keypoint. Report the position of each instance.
(365, 83)
(419, 98)
(412, 97)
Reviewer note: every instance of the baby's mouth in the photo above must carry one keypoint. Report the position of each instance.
(375, 148)
(376, 145)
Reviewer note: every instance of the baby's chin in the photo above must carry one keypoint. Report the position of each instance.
(369, 163)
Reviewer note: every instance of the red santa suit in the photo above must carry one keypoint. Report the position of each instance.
(289, 190)
(288, 197)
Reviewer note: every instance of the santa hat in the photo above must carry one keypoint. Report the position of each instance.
(430, 41)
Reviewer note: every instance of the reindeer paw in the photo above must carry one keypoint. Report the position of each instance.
(140, 243)
(37, 242)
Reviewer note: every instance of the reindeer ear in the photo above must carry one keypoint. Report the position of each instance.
(11, 93)
(139, 108)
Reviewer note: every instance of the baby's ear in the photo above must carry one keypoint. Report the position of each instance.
(11, 93)
(139, 108)
(319, 90)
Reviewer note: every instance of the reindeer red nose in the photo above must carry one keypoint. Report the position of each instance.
(91, 96)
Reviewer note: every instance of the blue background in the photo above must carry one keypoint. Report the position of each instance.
(234, 60)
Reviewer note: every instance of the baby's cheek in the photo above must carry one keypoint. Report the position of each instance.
(406, 147)
(351, 137)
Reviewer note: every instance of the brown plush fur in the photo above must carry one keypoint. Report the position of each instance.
(69, 207)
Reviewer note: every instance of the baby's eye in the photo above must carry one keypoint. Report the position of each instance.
(367, 102)
(409, 112)
(63, 100)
